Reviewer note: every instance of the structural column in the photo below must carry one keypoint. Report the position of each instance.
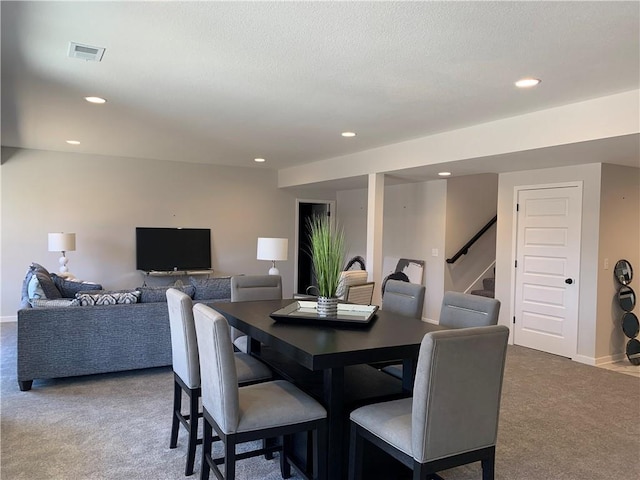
(375, 215)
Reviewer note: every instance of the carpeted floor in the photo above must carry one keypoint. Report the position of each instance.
(559, 420)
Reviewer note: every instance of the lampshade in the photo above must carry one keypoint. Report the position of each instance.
(272, 249)
(62, 242)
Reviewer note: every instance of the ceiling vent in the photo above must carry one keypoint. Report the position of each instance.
(85, 52)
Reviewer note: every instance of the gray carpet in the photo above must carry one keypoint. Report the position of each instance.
(559, 420)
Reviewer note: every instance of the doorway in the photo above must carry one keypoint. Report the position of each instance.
(306, 209)
(547, 266)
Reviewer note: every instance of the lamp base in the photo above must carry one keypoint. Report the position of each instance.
(274, 271)
(63, 264)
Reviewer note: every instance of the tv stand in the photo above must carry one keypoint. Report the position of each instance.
(174, 277)
(177, 273)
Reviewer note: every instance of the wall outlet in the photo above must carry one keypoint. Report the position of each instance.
(606, 264)
(434, 252)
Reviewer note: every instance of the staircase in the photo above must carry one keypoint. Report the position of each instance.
(488, 288)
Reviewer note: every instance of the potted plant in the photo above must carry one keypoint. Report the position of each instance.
(327, 248)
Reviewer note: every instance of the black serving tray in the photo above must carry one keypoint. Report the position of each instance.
(306, 312)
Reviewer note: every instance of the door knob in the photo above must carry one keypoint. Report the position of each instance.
(569, 281)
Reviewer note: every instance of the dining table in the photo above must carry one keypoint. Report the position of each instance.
(329, 348)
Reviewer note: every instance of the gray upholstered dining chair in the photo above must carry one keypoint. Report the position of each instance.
(360, 294)
(245, 288)
(461, 310)
(186, 371)
(452, 418)
(403, 298)
(406, 299)
(243, 414)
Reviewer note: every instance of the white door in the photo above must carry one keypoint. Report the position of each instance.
(548, 269)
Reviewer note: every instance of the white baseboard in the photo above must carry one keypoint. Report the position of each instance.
(584, 359)
(428, 320)
(13, 318)
(595, 362)
(618, 357)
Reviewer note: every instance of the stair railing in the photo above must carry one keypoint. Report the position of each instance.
(474, 239)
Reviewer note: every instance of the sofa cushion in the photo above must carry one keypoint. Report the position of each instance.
(212, 288)
(69, 288)
(159, 294)
(56, 302)
(105, 297)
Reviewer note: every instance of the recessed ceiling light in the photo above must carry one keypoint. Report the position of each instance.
(259, 160)
(73, 142)
(95, 100)
(527, 82)
(348, 134)
(444, 174)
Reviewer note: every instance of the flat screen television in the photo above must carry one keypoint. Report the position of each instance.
(171, 249)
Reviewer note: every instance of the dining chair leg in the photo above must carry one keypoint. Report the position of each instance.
(356, 454)
(230, 459)
(193, 432)
(207, 442)
(175, 419)
(267, 443)
(285, 468)
(488, 468)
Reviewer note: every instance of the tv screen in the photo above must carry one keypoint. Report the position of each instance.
(167, 249)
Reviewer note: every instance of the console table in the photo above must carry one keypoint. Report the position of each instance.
(174, 273)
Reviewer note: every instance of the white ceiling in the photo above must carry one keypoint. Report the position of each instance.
(225, 82)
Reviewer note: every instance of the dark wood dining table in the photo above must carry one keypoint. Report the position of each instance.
(330, 349)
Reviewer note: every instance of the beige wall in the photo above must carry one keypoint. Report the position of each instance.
(619, 238)
(414, 221)
(102, 199)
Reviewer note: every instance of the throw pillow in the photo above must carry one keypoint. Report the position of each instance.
(25, 284)
(69, 288)
(37, 267)
(34, 290)
(103, 297)
(211, 288)
(46, 282)
(56, 302)
(159, 294)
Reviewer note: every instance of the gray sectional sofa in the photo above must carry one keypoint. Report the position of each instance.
(63, 341)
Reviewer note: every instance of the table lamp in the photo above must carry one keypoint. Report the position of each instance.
(272, 249)
(62, 242)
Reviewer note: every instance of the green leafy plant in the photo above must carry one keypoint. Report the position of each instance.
(327, 248)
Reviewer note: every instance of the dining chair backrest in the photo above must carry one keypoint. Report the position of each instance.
(403, 298)
(456, 394)
(256, 287)
(350, 277)
(361, 294)
(220, 396)
(184, 346)
(460, 310)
